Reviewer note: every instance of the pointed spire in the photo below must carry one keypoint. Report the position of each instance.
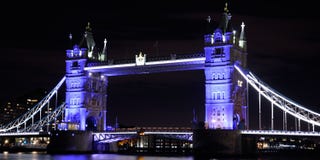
(242, 35)
(242, 38)
(70, 40)
(90, 41)
(225, 9)
(104, 51)
(225, 21)
(209, 25)
(88, 28)
(209, 19)
(70, 36)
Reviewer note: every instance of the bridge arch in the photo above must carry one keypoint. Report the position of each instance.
(91, 124)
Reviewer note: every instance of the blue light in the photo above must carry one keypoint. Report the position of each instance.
(75, 111)
(219, 108)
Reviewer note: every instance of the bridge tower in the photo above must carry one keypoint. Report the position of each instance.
(86, 92)
(75, 112)
(225, 95)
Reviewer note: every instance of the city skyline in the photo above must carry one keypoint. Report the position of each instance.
(282, 48)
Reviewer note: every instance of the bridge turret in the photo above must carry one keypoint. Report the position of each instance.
(242, 38)
(75, 112)
(218, 47)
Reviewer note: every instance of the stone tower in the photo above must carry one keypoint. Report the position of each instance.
(86, 92)
(225, 93)
(75, 112)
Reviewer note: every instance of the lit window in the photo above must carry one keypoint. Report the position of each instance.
(240, 83)
(213, 95)
(218, 95)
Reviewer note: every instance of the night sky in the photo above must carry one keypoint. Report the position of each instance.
(283, 50)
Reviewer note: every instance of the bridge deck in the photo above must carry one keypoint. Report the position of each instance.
(196, 63)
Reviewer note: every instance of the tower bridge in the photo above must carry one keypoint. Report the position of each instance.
(227, 85)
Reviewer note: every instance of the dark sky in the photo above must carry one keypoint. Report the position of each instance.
(283, 50)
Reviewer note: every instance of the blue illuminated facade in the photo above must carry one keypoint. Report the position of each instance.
(86, 92)
(75, 112)
(225, 98)
(226, 106)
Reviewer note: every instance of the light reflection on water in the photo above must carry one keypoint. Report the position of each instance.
(43, 156)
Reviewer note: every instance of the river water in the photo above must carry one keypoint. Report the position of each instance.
(44, 156)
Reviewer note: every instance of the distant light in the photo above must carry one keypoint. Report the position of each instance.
(240, 83)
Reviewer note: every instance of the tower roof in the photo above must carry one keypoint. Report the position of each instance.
(225, 20)
(210, 25)
(242, 33)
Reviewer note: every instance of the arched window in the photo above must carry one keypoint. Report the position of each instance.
(218, 35)
(77, 101)
(72, 101)
(213, 95)
(75, 64)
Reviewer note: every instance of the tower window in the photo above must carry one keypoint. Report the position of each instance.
(218, 51)
(213, 95)
(75, 64)
(218, 36)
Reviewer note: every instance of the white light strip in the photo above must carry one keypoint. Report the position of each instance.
(97, 133)
(20, 134)
(27, 115)
(176, 61)
(201, 59)
(271, 100)
(287, 133)
(115, 133)
(168, 133)
(289, 101)
(110, 66)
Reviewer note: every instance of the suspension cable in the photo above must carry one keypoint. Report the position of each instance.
(282, 102)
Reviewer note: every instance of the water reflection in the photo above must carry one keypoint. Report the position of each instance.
(43, 156)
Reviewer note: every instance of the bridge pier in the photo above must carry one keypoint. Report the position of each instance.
(70, 142)
(217, 142)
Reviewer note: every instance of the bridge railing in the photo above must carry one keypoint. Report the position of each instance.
(149, 59)
(154, 129)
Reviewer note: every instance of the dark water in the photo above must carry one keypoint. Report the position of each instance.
(44, 156)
